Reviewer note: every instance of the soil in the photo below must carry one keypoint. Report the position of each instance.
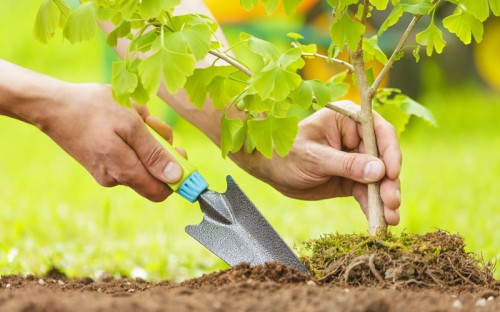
(272, 287)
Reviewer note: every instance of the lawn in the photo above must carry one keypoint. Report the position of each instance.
(54, 214)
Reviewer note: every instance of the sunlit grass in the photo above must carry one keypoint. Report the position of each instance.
(52, 213)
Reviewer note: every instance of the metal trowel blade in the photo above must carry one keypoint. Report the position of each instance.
(235, 230)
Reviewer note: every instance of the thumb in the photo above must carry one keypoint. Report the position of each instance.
(157, 160)
(358, 167)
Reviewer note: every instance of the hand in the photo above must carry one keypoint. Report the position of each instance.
(111, 141)
(327, 161)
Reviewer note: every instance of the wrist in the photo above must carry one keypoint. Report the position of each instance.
(26, 95)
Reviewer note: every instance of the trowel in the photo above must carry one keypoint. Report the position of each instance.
(232, 227)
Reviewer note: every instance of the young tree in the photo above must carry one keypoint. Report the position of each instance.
(265, 85)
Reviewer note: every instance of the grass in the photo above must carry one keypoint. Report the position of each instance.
(54, 214)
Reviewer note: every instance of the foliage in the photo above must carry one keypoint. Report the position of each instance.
(269, 91)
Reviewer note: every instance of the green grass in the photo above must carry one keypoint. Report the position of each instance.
(52, 213)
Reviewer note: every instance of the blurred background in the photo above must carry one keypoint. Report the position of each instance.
(52, 212)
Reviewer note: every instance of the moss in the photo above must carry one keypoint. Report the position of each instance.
(437, 257)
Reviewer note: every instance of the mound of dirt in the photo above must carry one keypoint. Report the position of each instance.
(432, 260)
(269, 272)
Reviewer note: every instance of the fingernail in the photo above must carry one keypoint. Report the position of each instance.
(373, 170)
(172, 172)
(398, 195)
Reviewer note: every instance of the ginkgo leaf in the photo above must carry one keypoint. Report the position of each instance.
(153, 8)
(197, 84)
(477, 8)
(47, 20)
(274, 132)
(123, 82)
(234, 133)
(81, 24)
(392, 19)
(346, 31)
(495, 7)
(291, 5)
(432, 37)
(120, 31)
(341, 5)
(380, 4)
(248, 4)
(274, 82)
(464, 25)
(261, 47)
(271, 5)
(372, 50)
(416, 7)
(175, 68)
(65, 11)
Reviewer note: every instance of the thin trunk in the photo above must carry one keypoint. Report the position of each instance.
(376, 219)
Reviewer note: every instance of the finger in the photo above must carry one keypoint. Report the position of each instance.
(360, 193)
(391, 216)
(160, 127)
(142, 110)
(155, 158)
(354, 166)
(182, 152)
(388, 146)
(390, 191)
(130, 171)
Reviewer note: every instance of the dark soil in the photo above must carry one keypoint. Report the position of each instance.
(273, 287)
(395, 277)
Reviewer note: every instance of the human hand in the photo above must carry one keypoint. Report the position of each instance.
(327, 161)
(111, 141)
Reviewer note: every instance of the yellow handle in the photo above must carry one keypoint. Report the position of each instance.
(187, 167)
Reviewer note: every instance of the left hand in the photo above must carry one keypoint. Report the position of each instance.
(327, 161)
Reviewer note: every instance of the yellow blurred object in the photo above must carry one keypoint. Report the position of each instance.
(231, 11)
(487, 54)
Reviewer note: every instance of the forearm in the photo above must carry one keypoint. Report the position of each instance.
(26, 95)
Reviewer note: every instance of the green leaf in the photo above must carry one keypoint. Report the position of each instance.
(292, 59)
(392, 112)
(477, 8)
(153, 8)
(416, 7)
(295, 36)
(302, 97)
(274, 82)
(175, 67)
(248, 4)
(274, 132)
(416, 53)
(81, 24)
(271, 5)
(261, 47)
(254, 104)
(65, 11)
(144, 42)
(121, 31)
(414, 108)
(124, 82)
(234, 133)
(432, 37)
(372, 50)
(197, 85)
(291, 5)
(495, 7)
(340, 5)
(380, 4)
(46, 22)
(346, 31)
(198, 38)
(464, 25)
(392, 19)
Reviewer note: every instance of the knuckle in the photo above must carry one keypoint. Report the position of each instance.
(105, 180)
(156, 156)
(349, 163)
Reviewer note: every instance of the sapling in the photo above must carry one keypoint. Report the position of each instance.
(264, 83)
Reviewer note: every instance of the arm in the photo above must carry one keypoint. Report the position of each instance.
(109, 140)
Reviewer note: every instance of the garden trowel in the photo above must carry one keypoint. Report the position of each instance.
(232, 227)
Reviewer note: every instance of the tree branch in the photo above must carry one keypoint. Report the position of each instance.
(399, 46)
(334, 107)
(328, 59)
(231, 61)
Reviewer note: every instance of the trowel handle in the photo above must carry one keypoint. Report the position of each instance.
(192, 184)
